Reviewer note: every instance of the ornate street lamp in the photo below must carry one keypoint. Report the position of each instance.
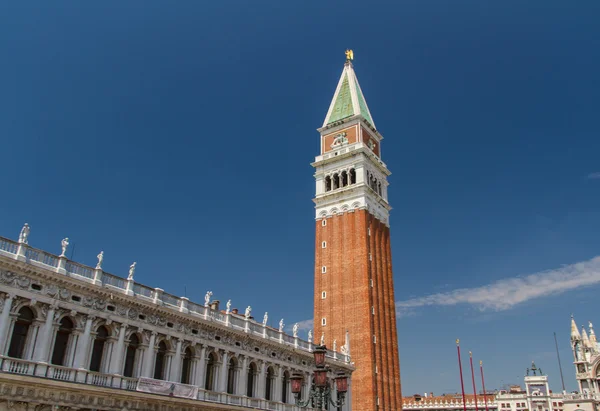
(321, 393)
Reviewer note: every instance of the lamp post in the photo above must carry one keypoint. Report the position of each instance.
(321, 392)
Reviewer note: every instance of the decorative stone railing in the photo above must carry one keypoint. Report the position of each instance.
(583, 396)
(450, 404)
(63, 266)
(54, 372)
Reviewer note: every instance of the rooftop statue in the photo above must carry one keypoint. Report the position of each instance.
(131, 271)
(64, 244)
(100, 259)
(207, 298)
(23, 236)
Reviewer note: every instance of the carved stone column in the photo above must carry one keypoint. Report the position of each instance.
(149, 357)
(116, 363)
(176, 364)
(278, 386)
(44, 341)
(83, 346)
(242, 380)
(201, 369)
(5, 322)
(260, 387)
(223, 374)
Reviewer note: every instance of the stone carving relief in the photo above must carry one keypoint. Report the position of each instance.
(8, 277)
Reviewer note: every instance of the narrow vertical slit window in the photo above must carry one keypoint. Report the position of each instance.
(323, 321)
(324, 269)
(324, 244)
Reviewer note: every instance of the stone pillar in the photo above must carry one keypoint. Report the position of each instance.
(223, 373)
(129, 289)
(176, 364)
(5, 322)
(83, 346)
(98, 276)
(277, 384)
(44, 341)
(183, 305)
(243, 378)
(158, 292)
(201, 369)
(149, 357)
(260, 387)
(118, 352)
(61, 267)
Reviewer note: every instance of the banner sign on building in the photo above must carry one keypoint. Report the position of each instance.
(172, 389)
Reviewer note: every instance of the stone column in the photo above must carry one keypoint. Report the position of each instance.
(149, 357)
(176, 364)
(44, 341)
(5, 322)
(201, 369)
(62, 264)
(260, 387)
(118, 352)
(243, 378)
(223, 374)
(278, 386)
(83, 346)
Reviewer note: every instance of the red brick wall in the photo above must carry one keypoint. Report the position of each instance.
(353, 258)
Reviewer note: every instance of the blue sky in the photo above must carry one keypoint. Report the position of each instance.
(179, 135)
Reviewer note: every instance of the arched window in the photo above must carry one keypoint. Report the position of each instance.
(20, 333)
(328, 183)
(61, 342)
(98, 348)
(211, 368)
(159, 364)
(284, 387)
(251, 376)
(344, 178)
(270, 379)
(352, 176)
(379, 188)
(231, 369)
(130, 355)
(336, 181)
(186, 367)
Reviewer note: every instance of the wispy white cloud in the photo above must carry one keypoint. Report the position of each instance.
(594, 176)
(505, 294)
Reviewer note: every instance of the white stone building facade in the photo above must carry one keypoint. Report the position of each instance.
(536, 397)
(76, 337)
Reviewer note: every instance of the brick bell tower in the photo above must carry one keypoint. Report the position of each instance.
(354, 289)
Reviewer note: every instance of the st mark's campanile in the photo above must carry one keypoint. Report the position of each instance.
(354, 288)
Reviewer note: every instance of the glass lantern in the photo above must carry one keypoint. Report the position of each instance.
(341, 383)
(296, 383)
(320, 378)
(319, 354)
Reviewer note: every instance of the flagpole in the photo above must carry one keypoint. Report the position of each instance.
(473, 379)
(483, 384)
(462, 384)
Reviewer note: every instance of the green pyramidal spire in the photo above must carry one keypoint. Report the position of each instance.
(348, 99)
